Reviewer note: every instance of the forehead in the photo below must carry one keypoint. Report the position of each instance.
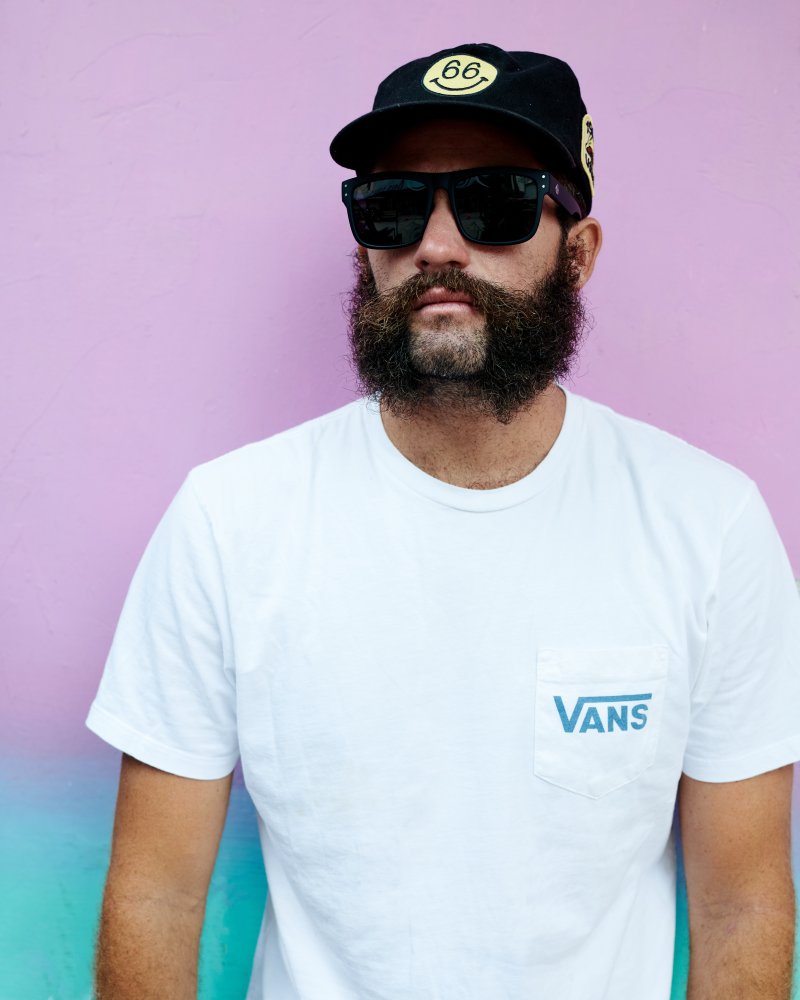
(454, 144)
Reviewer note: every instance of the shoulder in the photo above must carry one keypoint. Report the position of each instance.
(278, 463)
(685, 495)
(663, 467)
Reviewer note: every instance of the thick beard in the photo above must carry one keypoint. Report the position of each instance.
(528, 339)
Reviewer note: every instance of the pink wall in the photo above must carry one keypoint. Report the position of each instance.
(174, 251)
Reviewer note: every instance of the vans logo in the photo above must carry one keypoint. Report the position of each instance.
(605, 713)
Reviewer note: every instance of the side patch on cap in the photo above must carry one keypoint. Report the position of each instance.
(459, 74)
(587, 150)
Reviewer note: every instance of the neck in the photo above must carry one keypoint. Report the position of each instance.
(474, 450)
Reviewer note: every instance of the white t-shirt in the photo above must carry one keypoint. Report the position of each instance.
(462, 714)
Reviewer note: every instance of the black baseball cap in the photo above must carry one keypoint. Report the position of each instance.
(534, 94)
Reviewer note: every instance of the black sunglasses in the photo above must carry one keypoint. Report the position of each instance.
(494, 206)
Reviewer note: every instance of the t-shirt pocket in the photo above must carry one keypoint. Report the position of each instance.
(597, 715)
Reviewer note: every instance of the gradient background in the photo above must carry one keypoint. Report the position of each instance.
(172, 263)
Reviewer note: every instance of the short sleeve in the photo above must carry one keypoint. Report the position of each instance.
(745, 717)
(168, 695)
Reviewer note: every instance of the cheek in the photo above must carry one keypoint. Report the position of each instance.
(533, 261)
(376, 266)
(517, 271)
(387, 269)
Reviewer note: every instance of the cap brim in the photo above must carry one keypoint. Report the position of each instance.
(358, 144)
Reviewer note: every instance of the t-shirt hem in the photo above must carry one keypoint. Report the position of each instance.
(144, 748)
(745, 765)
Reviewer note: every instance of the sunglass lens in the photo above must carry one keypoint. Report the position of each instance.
(497, 207)
(389, 211)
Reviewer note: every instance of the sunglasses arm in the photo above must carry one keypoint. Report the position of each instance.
(561, 195)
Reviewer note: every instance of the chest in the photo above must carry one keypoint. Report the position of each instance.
(448, 657)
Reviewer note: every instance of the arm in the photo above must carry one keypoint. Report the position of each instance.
(736, 847)
(166, 836)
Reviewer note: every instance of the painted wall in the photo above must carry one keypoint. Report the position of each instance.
(173, 257)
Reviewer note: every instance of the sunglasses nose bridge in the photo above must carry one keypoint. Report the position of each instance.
(442, 244)
(441, 200)
(449, 196)
(442, 193)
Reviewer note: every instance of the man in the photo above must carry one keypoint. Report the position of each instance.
(473, 636)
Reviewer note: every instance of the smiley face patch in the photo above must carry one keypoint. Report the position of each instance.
(459, 74)
(587, 150)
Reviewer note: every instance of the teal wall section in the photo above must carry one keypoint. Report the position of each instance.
(55, 832)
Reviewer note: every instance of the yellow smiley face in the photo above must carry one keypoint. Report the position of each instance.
(459, 74)
(587, 150)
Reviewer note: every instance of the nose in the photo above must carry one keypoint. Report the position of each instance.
(442, 245)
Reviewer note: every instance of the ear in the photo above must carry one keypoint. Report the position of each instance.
(588, 237)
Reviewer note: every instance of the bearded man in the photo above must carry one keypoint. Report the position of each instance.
(473, 636)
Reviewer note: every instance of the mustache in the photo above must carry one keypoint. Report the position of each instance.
(486, 296)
